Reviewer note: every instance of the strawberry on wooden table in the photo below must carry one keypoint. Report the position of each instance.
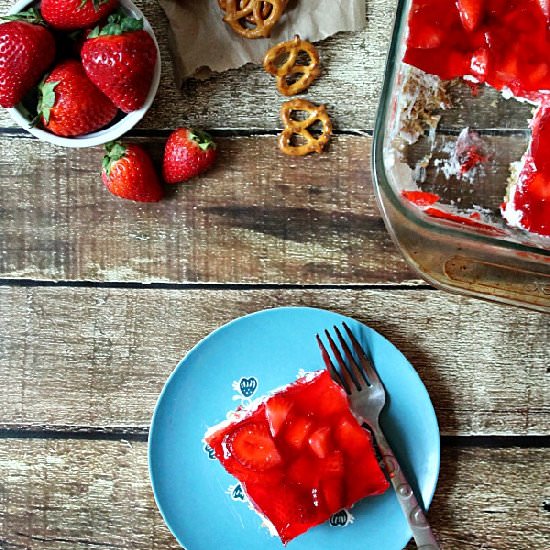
(27, 49)
(70, 105)
(120, 60)
(71, 15)
(187, 154)
(128, 172)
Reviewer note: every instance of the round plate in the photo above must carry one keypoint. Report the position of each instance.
(203, 505)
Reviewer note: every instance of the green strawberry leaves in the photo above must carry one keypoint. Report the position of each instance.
(115, 151)
(117, 24)
(96, 4)
(46, 101)
(203, 139)
(30, 16)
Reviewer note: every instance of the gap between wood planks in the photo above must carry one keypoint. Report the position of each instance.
(129, 433)
(258, 132)
(209, 286)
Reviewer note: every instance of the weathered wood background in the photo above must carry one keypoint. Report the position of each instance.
(100, 298)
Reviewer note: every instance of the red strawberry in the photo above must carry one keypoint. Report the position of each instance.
(296, 431)
(120, 60)
(332, 465)
(351, 437)
(420, 198)
(320, 441)
(26, 51)
(253, 447)
(332, 490)
(128, 172)
(304, 471)
(276, 411)
(70, 105)
(187, 154)
(471, 13)
(70, 15)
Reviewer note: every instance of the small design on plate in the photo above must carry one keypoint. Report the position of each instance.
(209, 451)
(236, 493)
(245, 387)
(343, 518)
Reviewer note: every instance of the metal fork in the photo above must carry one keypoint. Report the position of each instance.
(367, 398)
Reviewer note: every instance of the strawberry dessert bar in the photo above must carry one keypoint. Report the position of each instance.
(300, 455)
(504, 44)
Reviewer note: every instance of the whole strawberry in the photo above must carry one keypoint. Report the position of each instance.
(120, 60)
(128, 172)
(71, 15)
(70, 105)
(27, 49)
(187, 154)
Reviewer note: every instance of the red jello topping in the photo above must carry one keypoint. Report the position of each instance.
(505, 43)
(529, 203)
(301, 456)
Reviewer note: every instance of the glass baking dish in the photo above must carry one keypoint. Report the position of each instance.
(470, 249)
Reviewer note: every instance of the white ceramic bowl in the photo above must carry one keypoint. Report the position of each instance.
(111, 132)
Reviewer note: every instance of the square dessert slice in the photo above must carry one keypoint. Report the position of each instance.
(528, 202)
(300, 455)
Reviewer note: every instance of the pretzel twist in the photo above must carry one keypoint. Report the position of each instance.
(293, 127)
(266, 8)
(253, 18)
(289, 68)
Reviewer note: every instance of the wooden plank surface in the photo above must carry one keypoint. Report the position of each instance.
(81, 494)
(98, 358)
(353, 74)
(258, 217)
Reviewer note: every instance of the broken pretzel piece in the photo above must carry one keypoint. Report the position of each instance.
(283, 61)
(252, 18)
(295, 129)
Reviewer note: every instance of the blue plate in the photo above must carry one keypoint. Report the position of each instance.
(204, 506)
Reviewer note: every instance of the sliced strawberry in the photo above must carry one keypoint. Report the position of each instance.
(471, 13)
(332, 490)
(304, 471)
(425, 37)
(351, 437)
(324, 396)
(332, 465)
(320, 441)
(253, 447)
(292, 512)
(276, 411)
(297, 431)
(420, 198)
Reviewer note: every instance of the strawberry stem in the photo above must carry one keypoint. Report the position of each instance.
(46, 100)
(114, 152)
(30, 16)
(118, 23)
(203, 139)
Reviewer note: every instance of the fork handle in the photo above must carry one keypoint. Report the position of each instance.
(422, 532)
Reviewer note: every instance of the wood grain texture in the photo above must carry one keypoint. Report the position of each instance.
(353, 64)
(78, 494)
(98, 358)
(258, 217)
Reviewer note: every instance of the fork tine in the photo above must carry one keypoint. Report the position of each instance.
(344, 370)
(364, 359)
(334, 374)
(356, 369)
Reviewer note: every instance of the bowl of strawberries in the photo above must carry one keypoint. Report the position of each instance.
(78, 73)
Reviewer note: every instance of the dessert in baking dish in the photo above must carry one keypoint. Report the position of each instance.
(300, 455)
(504, 44)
